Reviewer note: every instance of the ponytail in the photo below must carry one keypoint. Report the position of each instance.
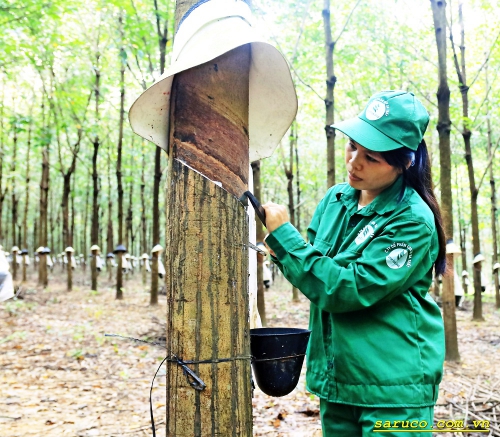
(418, 176)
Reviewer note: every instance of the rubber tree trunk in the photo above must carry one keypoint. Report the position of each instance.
(156, 221)
(154, 279)
(14, 265)
(465, 279)
(162, 35)
(291, 202)
(119, 276)
(493, 198)
(26, 197)
(119, 271)
(42, 270)
(44, 202)
(144, 272)
(207, 259)
(14, 203)
(144, 247)
(2, 131)
(444, 128)
(84, 247)
(69, 270)
(329, 100)
(25, 268)
(261, 301)
(94, 231)
(93, 268)
(474, 191)
(67, 237)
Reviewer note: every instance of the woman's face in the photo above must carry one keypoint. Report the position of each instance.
(367, 170)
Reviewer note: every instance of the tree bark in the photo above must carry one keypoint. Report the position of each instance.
(44, 204)
(444, 128)
(69, 268)
(143, 204)
(467, 134)
(85, 248)
(461, 230)
(144, 247)
(207, 308)
(493, 199)
(297, 183)
(329, 100)
(95, 176)
(14, 198)
(130, 218)
(109, 237)
(257, 191)
(154, 280)
(26, 197)
(291, 203)
(66, 231)
(2, 191)
(119, 271)
(162, 35)
(207, 237)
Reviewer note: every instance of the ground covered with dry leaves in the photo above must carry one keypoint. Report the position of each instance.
(60, 376)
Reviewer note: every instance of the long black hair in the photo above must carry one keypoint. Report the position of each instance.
(418, 176)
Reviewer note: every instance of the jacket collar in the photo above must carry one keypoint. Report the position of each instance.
(386, 201)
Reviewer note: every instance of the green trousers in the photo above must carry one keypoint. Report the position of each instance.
(339, 420)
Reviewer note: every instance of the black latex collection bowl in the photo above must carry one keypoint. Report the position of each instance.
(278, 355)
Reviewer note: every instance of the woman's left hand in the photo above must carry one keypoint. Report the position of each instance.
(276, 215)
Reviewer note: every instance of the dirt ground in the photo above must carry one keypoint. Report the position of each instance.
(60, 376)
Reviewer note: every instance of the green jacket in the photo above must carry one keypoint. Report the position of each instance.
(377, 336)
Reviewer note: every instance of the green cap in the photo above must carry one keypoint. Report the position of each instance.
(391, 120)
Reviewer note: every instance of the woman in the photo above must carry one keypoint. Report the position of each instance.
(376, 351)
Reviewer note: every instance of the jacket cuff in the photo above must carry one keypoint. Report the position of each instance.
(285, 239)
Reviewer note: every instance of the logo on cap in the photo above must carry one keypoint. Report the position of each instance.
(377, 109)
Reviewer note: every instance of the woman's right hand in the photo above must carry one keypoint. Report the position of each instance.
(276, 215)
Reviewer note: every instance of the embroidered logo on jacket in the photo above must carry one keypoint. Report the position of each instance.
(400, 255)
(397, 258)
(364, 234)
(367, 232)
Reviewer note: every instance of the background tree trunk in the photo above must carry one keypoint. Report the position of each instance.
(2, 153)
(130, 218)
(493, 198)
(14, 198)
(329, 100)
(95, 176)
(66, 231)
(26, 196)
(466, 134)
(162, 34)
(289, 176)
(444, 127)
(119, 270)
(44, 205)
(154, 279)
(109, 237)
(257, 191)
(144, 246)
